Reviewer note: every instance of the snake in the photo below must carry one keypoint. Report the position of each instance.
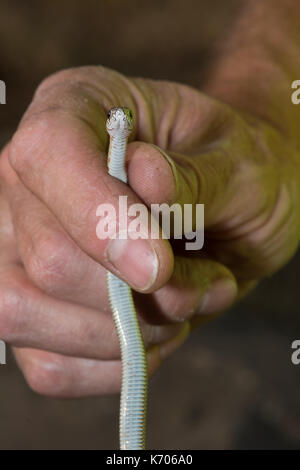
(133, 399)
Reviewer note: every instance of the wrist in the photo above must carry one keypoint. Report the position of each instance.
(257, 86)
(258, 63)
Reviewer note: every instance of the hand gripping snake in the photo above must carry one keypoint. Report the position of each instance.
(134, 366)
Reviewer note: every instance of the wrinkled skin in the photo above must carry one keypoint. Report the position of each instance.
(53, 301)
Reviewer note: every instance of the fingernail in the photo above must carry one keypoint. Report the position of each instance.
(170, 346)
(135, 260)
(219, 297)
(154, 334)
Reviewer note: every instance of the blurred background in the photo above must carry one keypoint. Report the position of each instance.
(232, 385)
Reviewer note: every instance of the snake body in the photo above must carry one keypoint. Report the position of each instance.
(134, 366)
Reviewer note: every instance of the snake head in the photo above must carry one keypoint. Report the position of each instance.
(119, 122)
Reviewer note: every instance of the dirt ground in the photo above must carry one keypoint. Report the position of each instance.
(232, 386)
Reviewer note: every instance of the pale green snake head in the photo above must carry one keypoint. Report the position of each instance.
(119, 122)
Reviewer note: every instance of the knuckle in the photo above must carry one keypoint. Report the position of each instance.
(27, 143)
(67, 77)
(46, 377)
(43, 126)
(4, 164)
(49, 265)
(11, 318)
(56, 102)
(54, 79)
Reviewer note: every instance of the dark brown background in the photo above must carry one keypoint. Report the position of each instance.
(232, 385)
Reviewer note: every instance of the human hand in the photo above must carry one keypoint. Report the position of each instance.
(54, 306)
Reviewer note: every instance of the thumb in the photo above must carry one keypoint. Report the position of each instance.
(158, 176)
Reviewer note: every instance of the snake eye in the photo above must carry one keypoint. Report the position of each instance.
(130, 114)
(108, 114)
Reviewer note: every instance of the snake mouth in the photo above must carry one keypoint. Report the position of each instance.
(119, 128)
(114, 127)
